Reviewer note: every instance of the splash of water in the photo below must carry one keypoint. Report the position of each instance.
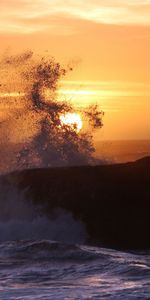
(32, 133)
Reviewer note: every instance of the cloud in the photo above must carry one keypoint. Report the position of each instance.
(27, 16)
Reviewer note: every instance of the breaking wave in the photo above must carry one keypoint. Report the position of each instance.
(31, 131)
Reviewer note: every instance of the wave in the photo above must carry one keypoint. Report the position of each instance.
(31, 132)
(48, 250)
(54, 270)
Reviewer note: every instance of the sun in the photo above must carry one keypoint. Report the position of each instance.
(73, 120)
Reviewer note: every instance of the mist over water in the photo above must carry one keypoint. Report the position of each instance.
(21, 220)
(31, 131)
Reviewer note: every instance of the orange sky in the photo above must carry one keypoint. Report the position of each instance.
(109, 42)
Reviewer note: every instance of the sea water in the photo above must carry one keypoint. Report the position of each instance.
(122, 151)
(48, 258)
(44, 269)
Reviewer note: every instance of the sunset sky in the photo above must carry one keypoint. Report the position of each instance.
(108, 42)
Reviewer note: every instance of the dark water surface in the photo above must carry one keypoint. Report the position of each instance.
(42, 269)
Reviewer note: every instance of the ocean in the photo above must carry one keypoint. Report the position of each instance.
(44, 270)
(118, 151)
